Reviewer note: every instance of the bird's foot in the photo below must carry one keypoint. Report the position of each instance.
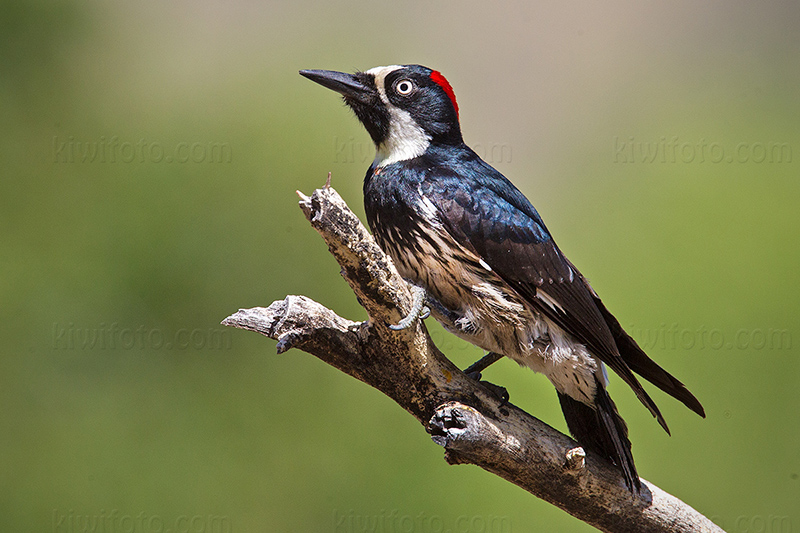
(498, 390)
(418, 309)
(474, 372)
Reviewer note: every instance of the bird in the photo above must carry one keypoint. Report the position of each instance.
(480, 258)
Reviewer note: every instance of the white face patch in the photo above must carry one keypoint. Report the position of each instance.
(406, 139)
(380, 74)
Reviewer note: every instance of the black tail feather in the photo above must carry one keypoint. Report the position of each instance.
(638, 361)
(603, 431)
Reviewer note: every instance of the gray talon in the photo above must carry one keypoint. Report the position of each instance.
(418, 309)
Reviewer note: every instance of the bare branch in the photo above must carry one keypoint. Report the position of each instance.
(461, 414)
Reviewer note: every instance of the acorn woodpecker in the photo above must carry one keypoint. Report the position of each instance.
(483, 260)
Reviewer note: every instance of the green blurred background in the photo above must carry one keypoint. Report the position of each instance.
(150, 152)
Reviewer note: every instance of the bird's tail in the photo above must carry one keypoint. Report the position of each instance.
(602, 430)
(638, 361)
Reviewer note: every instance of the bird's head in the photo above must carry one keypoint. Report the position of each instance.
(404, 108)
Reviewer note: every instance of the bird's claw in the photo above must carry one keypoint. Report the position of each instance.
(499, 391)
(474, 372)
(418, 309)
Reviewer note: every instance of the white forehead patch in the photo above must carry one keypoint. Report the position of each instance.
(406, 139)
(380, 74)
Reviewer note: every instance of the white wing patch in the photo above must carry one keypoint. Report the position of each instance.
(427, 208)
(549, 300)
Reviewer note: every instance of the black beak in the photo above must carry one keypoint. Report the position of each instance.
(345, 84)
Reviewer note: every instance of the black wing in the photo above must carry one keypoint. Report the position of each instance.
(489, 216)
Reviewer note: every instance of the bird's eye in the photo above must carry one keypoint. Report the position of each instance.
(404, 87)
